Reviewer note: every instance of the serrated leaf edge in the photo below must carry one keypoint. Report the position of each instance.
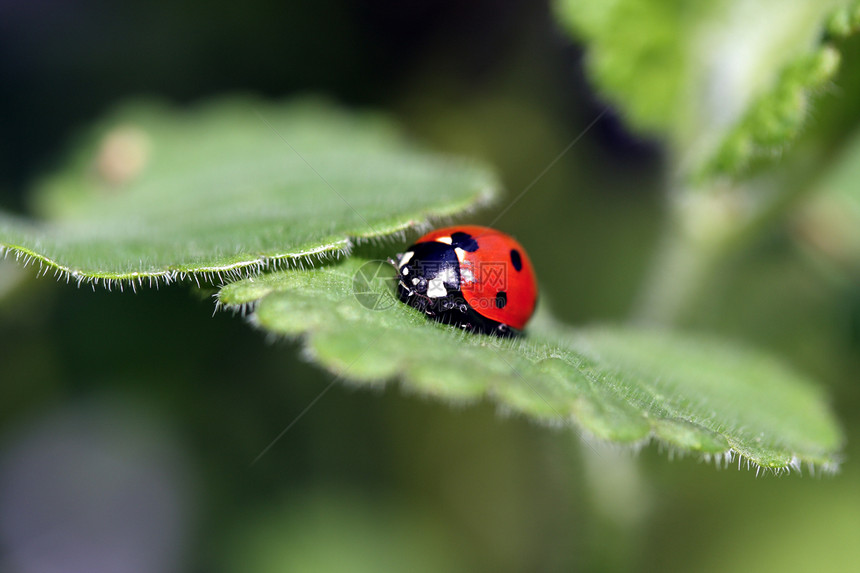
(220, 275)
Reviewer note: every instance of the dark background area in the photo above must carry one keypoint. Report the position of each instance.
(165, 407)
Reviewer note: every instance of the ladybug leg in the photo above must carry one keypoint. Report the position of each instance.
(420, 302)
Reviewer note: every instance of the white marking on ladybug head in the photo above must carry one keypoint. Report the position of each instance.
(461, 254)
(415, 280)
(436, 288)
(407, 256)
(446, 240)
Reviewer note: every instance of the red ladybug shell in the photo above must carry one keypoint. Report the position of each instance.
(496, 278)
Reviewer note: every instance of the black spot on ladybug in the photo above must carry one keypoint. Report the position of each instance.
(464, 241)
(517, 260)
(501, 299)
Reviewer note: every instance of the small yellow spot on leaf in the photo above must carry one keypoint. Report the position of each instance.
(122, 156)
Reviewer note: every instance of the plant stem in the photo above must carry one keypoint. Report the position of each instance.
(698, 231)
(709, 224)
(677, 275)
(618, 505)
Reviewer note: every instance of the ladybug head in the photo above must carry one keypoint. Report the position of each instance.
(412, 278)
(429, 270)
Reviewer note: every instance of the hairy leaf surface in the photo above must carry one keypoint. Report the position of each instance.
(157, 192)
(619, 384)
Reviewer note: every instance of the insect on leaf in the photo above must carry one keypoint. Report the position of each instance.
(619, 384)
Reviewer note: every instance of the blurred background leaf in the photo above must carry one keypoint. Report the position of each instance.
(332, 529)
(723, 82)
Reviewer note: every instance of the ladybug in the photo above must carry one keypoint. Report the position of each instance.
(476, 278)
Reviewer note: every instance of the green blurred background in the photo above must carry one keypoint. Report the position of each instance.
(129, 422)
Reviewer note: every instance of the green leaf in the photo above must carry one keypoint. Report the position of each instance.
(618, 384)
(158, 193)
(724, 82)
